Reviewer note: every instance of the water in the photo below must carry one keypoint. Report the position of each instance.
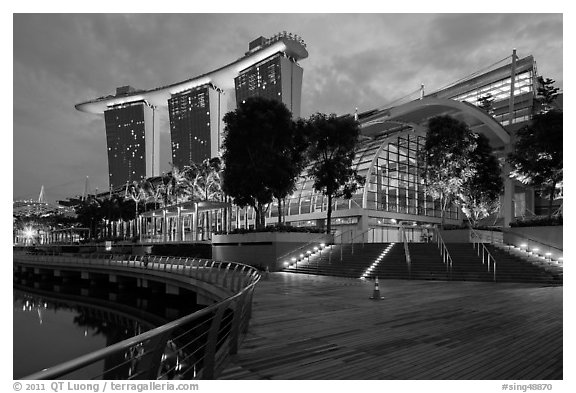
(54, 323)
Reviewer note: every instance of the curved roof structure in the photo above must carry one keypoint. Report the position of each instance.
(222, 78)
(416, 114)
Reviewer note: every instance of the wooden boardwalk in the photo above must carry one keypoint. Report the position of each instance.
(314, 327)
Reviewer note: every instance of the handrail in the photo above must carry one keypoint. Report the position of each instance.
(532, 240)
(444, 253)
(351, 242)
(357, 236)
(296, 250)
(201, 341)
(341, 235)
(406, 251)
(486, 255)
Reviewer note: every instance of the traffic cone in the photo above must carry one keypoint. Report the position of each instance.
(376, 293)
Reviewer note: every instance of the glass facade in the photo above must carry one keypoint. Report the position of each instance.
(262, 80)
(393, 185)
(189, 113)
(125, 137)
(498, 84)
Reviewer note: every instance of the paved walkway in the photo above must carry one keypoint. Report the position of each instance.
(314, 327)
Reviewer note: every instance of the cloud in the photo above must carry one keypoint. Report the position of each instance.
(356, 60)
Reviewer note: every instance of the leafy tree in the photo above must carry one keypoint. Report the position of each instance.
(486, 103)
(480, 194)
(179, 187)
(89, 214)
(547, 93)
(332, 143)
(537, 159)
(290, 164)
(446, 159)
(258, 135)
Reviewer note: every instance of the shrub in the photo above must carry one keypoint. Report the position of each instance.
(537, 221)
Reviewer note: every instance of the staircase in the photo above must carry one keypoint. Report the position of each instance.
(467, 265)
(391, 265)
(513, 265)
(426, 262)
(353, 264)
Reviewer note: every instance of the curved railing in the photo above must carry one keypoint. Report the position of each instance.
(193, 347)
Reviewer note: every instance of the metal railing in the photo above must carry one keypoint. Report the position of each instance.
(296, 252)
(406, 251)
(444, 253)
(481, 248)
(193, 347)
(364, 236)
(351, 242)
(541, 246)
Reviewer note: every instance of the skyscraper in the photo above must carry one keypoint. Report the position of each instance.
(130, 136)
(277, 78)
(196, 107)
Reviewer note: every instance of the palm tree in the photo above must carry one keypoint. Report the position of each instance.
(207, 185)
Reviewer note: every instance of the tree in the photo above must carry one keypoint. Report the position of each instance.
(89, 214)
(179, 186)
(205, 179)
(486, 103)
(537, 159)
(332, 143)
(446, 159)
(289, 164)
(257, 136)
(480, 194)
(547, 93)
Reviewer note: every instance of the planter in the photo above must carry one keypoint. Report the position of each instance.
(264, 249)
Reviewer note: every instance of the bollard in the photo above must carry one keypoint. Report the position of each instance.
(376, 293)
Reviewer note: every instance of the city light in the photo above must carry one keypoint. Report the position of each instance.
(29, 232)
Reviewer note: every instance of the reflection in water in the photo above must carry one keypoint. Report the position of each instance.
(54, 323)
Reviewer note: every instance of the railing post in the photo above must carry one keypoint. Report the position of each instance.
(236, 320)
(494, 270)
(210, 353)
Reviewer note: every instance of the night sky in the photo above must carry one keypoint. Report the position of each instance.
(355, 60)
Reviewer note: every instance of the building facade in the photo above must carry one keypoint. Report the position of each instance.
(133, 143)
(278, 77)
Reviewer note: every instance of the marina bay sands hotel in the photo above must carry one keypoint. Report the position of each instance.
(196, 108)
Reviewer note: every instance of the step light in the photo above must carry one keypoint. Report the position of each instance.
(376, 262)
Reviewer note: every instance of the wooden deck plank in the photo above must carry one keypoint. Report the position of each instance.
(313, 327)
